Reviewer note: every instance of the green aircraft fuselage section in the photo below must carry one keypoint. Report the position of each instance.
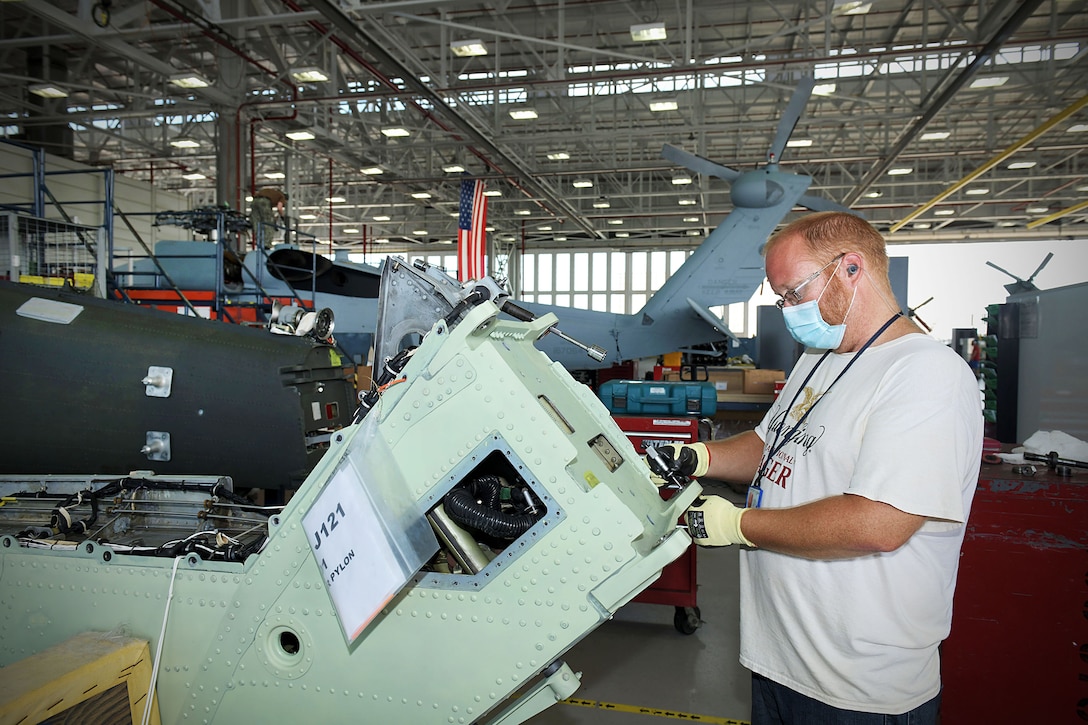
(261, 640)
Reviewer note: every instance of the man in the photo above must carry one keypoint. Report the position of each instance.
(264, 221)
(862, 474)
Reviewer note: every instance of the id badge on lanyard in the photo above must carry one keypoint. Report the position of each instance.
(755, 497)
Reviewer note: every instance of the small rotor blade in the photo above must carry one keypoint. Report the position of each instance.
(789, 119)
(698, 164)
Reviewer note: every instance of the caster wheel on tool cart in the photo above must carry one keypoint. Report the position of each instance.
(687, 619)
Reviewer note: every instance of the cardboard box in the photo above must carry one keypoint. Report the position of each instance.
(761, 382)
(726, 379)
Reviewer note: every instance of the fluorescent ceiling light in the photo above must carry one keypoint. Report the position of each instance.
(922, 225)
(691, 219)
(381, 218)
(944, 212)
(545, 228)
(560, 238)
(851, 7)
(1082, 188)
(468, 48)
(989, 82)
(664, 104)
(799, 143)
(558, 156)
(299, 135)
(194, 176)
(453, 168)
(582, 183)
(307, 217)
(395, 132)
(623, 235)
(900, 171)
(645, 32)
(351, 231)
(694, 232)
(492, 192)
(309, 74)
(372, 170)
(1021, 165)
(275, 175)
(1078, 128)
(421, 195)
(523, 114)
(1006, 224)
(189, 80)
(615, 222)
(522, 212)
(874, 194)
(47, 90)
(977, 191)
(935, 135)
(1037, 209)
(681, 179)
(823, 89)
(185, 143)
(602, 203)
(686, 202)
(419, 232)
(335, 199)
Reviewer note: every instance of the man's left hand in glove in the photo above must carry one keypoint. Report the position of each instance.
(713, 521)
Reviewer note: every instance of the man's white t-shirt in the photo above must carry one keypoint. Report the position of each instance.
(903, 426)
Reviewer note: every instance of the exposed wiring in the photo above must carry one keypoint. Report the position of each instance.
(158, 646)
(128, 497)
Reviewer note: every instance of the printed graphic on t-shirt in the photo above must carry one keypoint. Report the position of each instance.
(810, 400)
(780, 468)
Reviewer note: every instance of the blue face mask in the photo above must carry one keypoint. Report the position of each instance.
(808, 326)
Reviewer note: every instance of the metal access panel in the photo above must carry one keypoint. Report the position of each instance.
(261, 640)
(1052, 385)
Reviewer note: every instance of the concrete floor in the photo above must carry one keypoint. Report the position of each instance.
(639, 659)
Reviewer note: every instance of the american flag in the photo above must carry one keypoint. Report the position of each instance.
(471, 245)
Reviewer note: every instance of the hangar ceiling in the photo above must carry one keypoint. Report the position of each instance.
(979, 103)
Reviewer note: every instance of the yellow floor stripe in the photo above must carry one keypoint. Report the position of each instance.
(670, 714)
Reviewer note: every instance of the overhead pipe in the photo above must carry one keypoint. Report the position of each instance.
(1039, 131)
(223, 39)
(1058, 215)
(330, 206)
(1022, 13)
(525, 179)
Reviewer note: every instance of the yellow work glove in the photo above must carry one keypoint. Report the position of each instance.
(713, 521)
(688, 460)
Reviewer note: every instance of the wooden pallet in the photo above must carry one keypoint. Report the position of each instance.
(79, 674)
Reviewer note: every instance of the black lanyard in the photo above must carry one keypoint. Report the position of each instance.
(780, 442)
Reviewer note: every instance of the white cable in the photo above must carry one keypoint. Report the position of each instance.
(158, 647)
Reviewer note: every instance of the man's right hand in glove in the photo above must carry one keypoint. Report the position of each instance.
(688, 460)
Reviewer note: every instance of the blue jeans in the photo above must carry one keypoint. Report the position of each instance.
(773, 703)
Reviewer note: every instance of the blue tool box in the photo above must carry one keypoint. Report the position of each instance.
(647, 397)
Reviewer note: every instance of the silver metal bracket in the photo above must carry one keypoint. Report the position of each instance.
(158, 381)
(157, 447)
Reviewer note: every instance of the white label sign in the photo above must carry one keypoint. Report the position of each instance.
(360, 566)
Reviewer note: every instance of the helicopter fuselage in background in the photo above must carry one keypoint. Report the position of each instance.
(86, 385)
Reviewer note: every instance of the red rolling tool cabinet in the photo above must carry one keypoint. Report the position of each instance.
(676, 586)
(1018, 651)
